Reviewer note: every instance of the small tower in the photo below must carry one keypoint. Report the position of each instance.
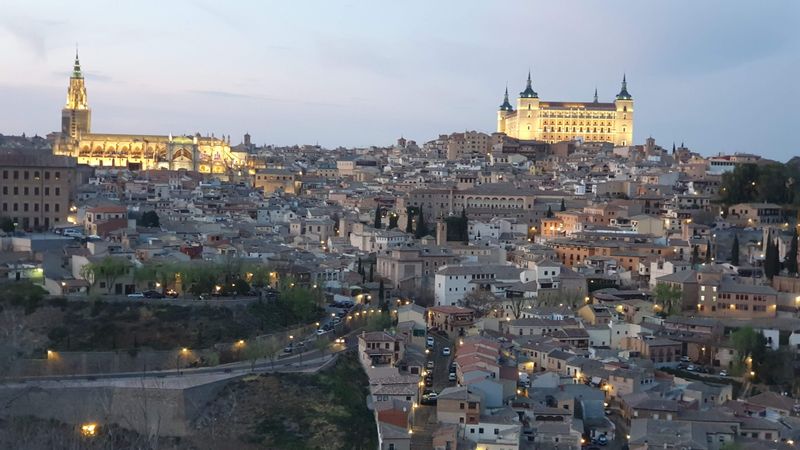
(503, 112)
(76, 115)
(623, 123)
(528, 112)
(247, 140)
(595, 95)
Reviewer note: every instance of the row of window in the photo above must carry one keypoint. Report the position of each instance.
(579, 130)
(26, 174)
(26, 207)
(27, 191)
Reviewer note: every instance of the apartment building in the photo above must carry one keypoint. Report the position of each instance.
(37, 189)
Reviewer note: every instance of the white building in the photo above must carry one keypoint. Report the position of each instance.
(453, 282)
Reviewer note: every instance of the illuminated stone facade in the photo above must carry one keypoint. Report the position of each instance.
(535, 119)
(197, 153)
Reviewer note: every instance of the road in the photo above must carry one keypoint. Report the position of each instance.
(441, 368)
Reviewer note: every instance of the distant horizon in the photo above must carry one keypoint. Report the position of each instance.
(352, 75)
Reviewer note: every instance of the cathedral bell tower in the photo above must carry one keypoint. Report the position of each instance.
(76, 117)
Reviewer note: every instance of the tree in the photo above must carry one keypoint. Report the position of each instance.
(668, 297)
(563, 205)
(422, 227)
(322, 343)
(735, 250)
(271, 349)
(749, 344)
(393, 217)
(6, 224)
(410, 219)
(708, 252)
(360, 267)
(464, 226)
(549, 214)
(161, 272)
(518, 305)
(480, 300)
(695, 255)
(253, 351)
(791, 256)
(371, 272)
(149, 219)
(108, 270)
(22, 293)
(377, 223)
(382, 297)
(771, 262)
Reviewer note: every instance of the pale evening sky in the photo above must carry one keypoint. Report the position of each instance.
(720, 75)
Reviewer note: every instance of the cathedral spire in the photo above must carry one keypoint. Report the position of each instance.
(76, 68)
(595, 94)
(529, 92)
(506, 106)
(623, 92)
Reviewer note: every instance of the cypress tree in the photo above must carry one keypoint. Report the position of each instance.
(791, 255)
(392, 221)
(360, 267)
(372, 272)
(409, 222)
(464, 226)
(563, 205)
(708, 252)
(735, 250)
(695, 255)
(549, 214)
(382, 297)
(377, 217)
(422, 228)
(770, 268)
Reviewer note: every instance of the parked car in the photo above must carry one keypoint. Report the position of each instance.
(602, 440)
(429, 398)
(446, 351)
(172, 293)
(723, 373)
(685, 359)
(429, 341)
(153, 294)
(323, 331)
(430, 364)
(136, 295)
(288, 349)
(691, 368)
(451, 376)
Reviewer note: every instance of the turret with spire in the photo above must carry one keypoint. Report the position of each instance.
(623, 92)
(529, 92)
(595, 95)
(506, 106)
(76, 116)
(76, 67)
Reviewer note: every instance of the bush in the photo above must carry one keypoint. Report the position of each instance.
(23, 294)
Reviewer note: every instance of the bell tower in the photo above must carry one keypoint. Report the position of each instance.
(76, 117)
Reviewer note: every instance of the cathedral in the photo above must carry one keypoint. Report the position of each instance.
(135, 152)
(548, 121)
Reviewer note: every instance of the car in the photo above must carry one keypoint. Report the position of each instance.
(429, 342)
(446, 351)
(683, 366)
(288, 349)
(323, 331)
(153, 294)
(723, 373)
(685, 359)
(691, 368)
(602, 439)
(451, 376)
(136, 295)
(336, 320)
(430, 364)
(172, 293)
(429, 398)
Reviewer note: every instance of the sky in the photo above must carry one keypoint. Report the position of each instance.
(721, 76)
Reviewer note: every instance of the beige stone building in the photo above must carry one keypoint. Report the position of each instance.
(135, 152)
(595, 121)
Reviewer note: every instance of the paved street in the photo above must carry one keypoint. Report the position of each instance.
(441, 363)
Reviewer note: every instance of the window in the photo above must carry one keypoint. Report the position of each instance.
(47, 191)
(58, 191)
(5, 190)
(480, 430)
(16, 174)
(26, 175)
(25, 190)
(5, 174)
(16, 190)
(46, 175)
